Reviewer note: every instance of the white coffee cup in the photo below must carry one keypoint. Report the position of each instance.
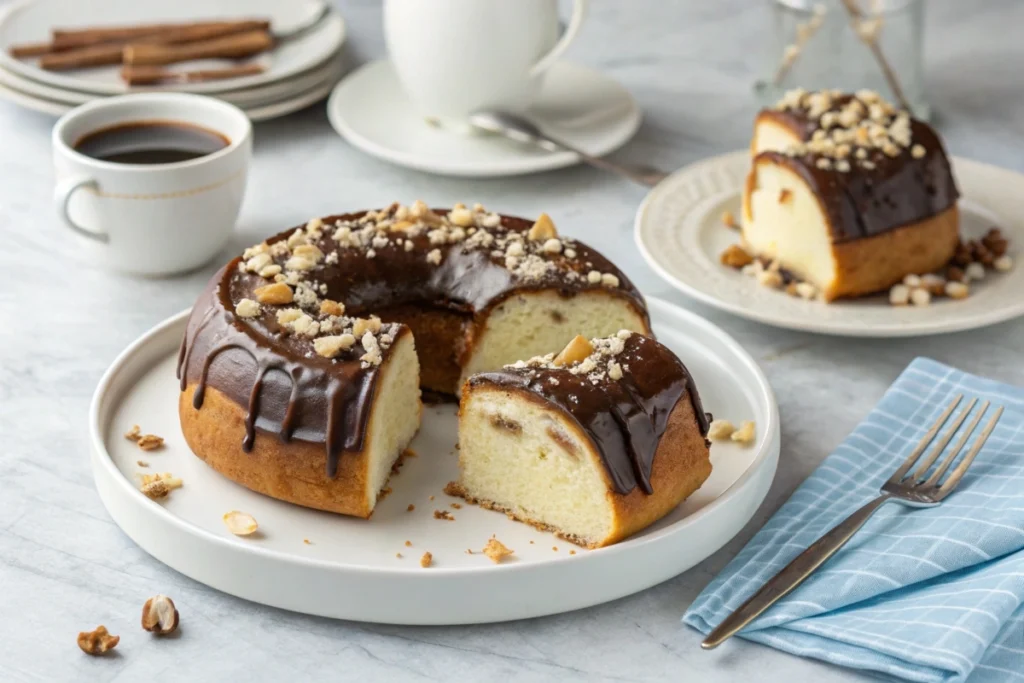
(454, 57)
(152, 219)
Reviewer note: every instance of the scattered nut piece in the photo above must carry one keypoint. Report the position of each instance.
(426, 560)
(159, 615)
(805, 290)
(363, 325)
(434, 257)
(609, 280)
(247, 308)
(720, 430)
(735, 256)
(574, 352)
(496, 550)
(240, 523)
(912, 280)
(542, 230)
(443, 514)
(142, 463)
(920, 297)
(410, 508)
(975, 271)
(935, 284)
(133, 434)
(957, 290)
(745, 434)
(786, 195)
(728, 220)
(149, 442)
(159, 484)
(98, 641)
(461, 216)
(899, 295)
(274, 294)
(408, 544)
(1003, 263)
(769, 278)
(917, 151)
(594, 277)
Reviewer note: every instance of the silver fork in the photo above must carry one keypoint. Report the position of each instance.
(913, 490)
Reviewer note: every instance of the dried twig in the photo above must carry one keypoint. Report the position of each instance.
(804, 32)
(867, 30)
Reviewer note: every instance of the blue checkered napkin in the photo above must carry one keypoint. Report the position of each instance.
(923, 595)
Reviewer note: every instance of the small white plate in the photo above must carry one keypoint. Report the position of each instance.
(582, 106)
(678, 230)
(350, 570)
(32, 20)
(260, 112)
(331, 70)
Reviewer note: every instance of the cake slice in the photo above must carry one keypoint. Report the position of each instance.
(594, 443)
(848, 193)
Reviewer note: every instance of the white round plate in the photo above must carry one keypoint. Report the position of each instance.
(331, 70)
(582, 106)
(31, 21)
(262, 112)
(679, 231)
(351, 569)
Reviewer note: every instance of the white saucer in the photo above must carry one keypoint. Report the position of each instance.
(264, 111)
(252, 96)
(349, 570)
(679, 231)
(30, 21)
(583, 106)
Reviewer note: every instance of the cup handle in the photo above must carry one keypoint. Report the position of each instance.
(62, 197)
(579, 11)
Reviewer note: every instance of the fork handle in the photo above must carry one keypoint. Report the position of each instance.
(794, 573)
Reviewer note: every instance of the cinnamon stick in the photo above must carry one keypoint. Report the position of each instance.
(231, 47)
(26, 50)
(153, 75)
(65, 39)
(113, 52)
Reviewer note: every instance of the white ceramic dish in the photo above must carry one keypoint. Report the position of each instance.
(31, 21)
(580, 105)
(350, 570)
(258, 95)
(678, 230)
(262, 112)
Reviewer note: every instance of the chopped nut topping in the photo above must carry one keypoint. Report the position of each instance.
(434, 257)
(329, 307)
(240, 523)
(721, 430)
(543, 229)
(133, 434)
(917, 151)
(329, 347)
(275, 294)
(98, 641)
(159, 484)
(575, 351)
(247, 308)
(159, 615)
(426, 560)
(745, 434)
(736, 256)
(1003, 263)
(496, 550)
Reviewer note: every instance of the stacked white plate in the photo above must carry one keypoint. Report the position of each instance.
(297, 73)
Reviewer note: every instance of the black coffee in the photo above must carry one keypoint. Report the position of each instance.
(151, 142)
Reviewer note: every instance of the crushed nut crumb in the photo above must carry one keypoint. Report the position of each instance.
(426, 560)
(240, 523)
(496, 550)
(720, 430)
(97, 641)
(745, 434)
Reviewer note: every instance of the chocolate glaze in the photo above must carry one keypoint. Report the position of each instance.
(861, 203)
(624, 418)
(289, 392)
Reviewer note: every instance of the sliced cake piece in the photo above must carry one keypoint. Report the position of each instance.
(848, 193)
(594, 443)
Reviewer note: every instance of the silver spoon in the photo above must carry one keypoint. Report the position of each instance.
(520, 129)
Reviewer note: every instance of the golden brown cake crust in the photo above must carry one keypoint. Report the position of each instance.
(292, 471)
(874, 264)
(682, 463)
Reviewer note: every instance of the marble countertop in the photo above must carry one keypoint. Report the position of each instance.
(65, 566)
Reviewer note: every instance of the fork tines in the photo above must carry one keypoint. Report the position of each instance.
(929, 489)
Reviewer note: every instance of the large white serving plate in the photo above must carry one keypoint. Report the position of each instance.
(350, 569)
(31, 21)
(679, 231)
